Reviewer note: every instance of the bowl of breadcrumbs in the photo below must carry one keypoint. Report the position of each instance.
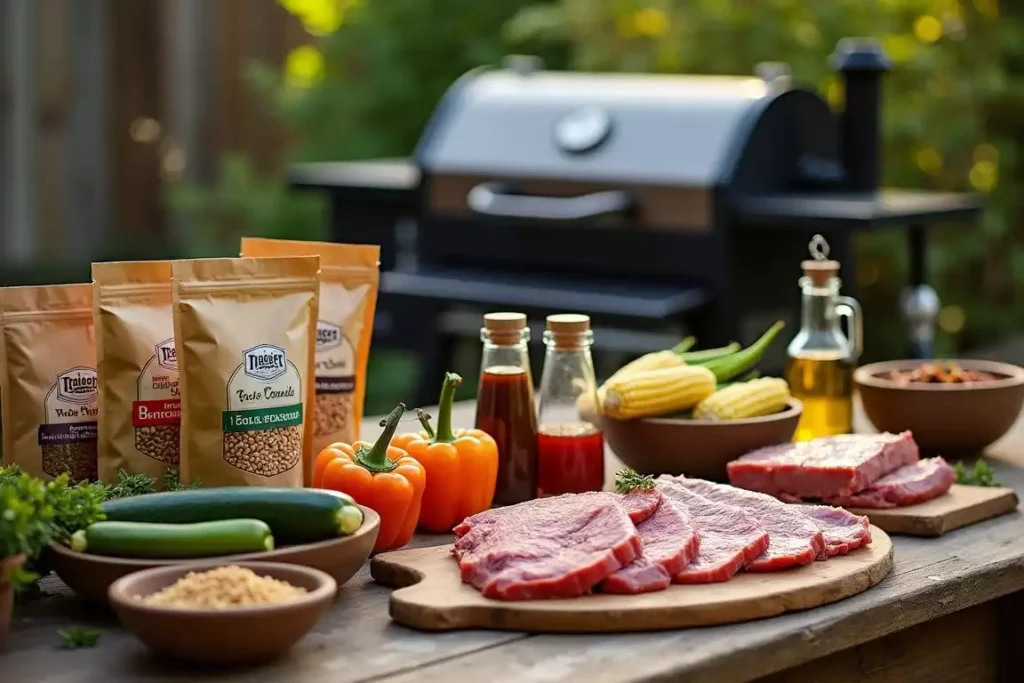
(222, 613)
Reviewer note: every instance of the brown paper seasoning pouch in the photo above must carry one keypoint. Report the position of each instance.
(48, 380)
(245, 334)
(140, 404)
(349, 278)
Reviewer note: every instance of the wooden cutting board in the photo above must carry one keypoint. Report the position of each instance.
(432, 597)
(961, 506)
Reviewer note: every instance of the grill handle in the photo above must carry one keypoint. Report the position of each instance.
(493, 199)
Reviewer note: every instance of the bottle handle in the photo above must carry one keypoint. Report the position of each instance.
(847, 307)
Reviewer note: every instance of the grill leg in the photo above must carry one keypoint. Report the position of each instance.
(919, 302)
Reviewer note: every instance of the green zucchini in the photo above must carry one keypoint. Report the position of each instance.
(166, 541)
(294, 515)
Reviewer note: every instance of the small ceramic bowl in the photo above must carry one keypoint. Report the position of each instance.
(946, 419)
(232, 636)
(696, 448)
(90, 576)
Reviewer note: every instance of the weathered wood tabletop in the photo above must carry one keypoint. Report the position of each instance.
(952, 609)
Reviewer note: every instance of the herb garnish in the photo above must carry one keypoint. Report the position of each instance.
(74, 637)
(981, 474)
(629, 480)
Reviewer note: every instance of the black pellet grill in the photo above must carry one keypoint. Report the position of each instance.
(657, 204)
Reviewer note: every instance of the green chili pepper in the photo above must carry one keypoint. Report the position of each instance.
(734, 365)
(702, 357)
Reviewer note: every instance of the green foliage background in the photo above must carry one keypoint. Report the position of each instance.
(952, 111)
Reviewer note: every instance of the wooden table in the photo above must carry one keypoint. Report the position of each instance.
(952, 609)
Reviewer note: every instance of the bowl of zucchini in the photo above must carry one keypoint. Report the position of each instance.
(325, 530)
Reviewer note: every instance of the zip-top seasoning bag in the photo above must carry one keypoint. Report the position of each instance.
(349, 278)
(139, 400)
(245, 335)
(48, 380)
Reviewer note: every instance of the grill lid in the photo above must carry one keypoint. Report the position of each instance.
(638, 128)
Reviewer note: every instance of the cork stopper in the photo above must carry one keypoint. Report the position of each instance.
(505, 329)
(819, 269)
(568, 330)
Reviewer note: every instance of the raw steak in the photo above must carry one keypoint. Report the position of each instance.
(670, 541)
(910, 484)
(729, 537)
(793, 538)
(823, 468)
(843, 530)
(552, 547)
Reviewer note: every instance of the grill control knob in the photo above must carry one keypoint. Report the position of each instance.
(583, 130)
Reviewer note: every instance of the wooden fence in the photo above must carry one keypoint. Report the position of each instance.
(103, 101)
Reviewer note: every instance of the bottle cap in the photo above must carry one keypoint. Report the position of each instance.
(505, 328)
(819, 269)
(565, 328)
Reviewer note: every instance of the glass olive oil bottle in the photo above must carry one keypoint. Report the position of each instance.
(821, 357)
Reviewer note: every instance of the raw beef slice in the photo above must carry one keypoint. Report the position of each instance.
(823, 468)
(793, 539)
(670, 541)
(910, 484)
(729, 537)
(552, 547)
(843, 530)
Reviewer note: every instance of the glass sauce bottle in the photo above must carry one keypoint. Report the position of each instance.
(570, 450)
(821, 358)
(505, 406)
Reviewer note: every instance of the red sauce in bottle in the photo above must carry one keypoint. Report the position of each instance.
(570, 459)
(505, 410)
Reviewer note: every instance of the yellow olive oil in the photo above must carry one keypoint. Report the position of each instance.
(823, 381)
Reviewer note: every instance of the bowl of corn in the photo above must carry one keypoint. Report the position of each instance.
(690, 413)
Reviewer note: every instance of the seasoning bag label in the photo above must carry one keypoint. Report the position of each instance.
(264, 406)
(349, 280)
(139, 396)
(245, 335)
(48, 380)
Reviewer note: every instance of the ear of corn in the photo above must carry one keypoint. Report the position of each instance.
(657, 392)
(755, 398)
(649, 361)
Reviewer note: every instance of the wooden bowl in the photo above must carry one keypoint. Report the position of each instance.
(696, 448)
(90, 576)
(946, 419)
(230, 636)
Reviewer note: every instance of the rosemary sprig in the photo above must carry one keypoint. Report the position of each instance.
(628, 480)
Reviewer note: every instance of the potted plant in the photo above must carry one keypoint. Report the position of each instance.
(26, 527)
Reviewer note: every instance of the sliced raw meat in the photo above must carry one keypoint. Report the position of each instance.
(670, 541)
(638, 505)
(910, 484)
(823, 468)
(843, 530)
(793, 538)
(729, 537)
(551, 547)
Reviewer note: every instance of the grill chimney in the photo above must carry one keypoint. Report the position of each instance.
(862, 61)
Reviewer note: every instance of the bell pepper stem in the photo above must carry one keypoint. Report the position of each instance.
(444, 410)
(424, 419)
(376, 459)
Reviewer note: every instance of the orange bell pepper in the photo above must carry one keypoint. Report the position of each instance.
(462, 467)
(379, 476)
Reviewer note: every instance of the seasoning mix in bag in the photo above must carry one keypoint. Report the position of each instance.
(48, 380)
(139, 400)
(349, 277)
(245, 335)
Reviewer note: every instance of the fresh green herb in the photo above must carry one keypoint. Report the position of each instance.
(26, 525)
(129, 485)
(9, 474)
(981, 474)
(172, 481)
(75, 506)
(628, 480)
(75, 637)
